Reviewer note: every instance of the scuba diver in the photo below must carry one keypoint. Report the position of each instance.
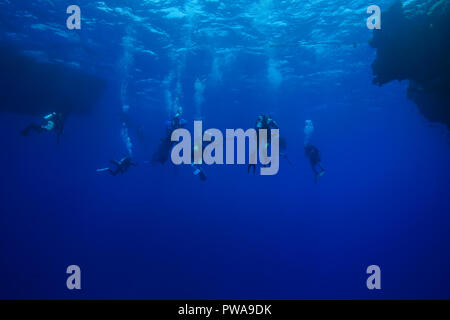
(313, 154)
(265, 121)
(162, 153)
(311, 151)
(52, 122)
(122, 166)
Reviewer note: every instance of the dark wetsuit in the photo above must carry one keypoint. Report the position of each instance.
(122, 166)
(263, 122)
(162, 153)
(52, 122)
(313, 154)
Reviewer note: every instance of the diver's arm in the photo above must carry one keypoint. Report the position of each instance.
(49, 116)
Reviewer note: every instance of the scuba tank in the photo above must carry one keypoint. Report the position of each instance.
(50, 115)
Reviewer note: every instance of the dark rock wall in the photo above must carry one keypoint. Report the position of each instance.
(414, 44)
(31, 87)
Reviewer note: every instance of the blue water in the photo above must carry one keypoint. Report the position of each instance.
(157, 232)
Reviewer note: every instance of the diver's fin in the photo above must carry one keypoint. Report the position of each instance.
(198, 172)
(322, 173)
(285, 156)
(102, 170)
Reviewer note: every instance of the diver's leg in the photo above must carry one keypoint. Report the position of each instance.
(313, 166)
(198, 172)
(58, 137)
(316, 173)
(113, 172)
(25, 131)
(32, 127)
(322, 170)
(202, 175)
(285, 156)
(163, 152)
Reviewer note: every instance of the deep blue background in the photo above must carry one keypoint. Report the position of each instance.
(159, 233)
